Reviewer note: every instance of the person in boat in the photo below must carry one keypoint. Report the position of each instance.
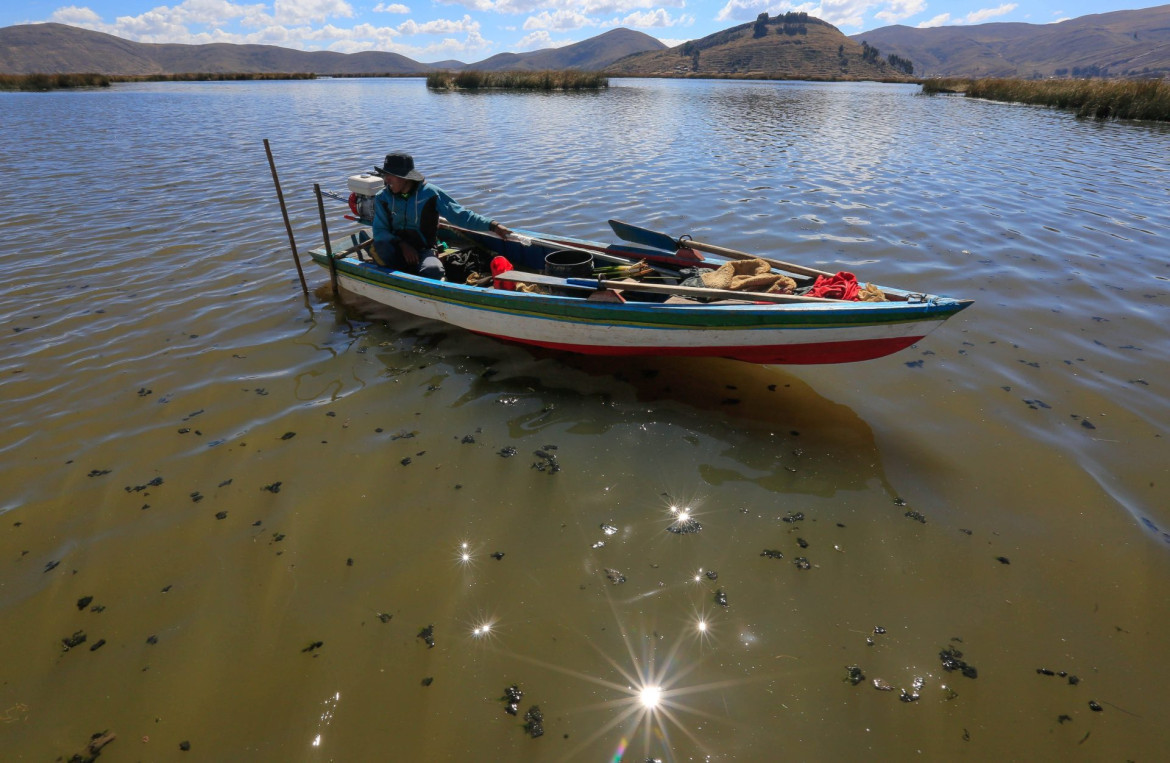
(406, 219)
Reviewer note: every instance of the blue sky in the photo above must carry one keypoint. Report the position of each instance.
(471, 30)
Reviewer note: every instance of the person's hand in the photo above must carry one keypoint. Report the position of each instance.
(502, 230)
(409, 253)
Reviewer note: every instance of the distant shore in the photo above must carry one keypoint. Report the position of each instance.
(1096, 98)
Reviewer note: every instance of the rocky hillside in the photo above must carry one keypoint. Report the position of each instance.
(1118, 44)
(788, 46)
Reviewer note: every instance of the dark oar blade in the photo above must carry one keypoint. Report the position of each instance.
(643, 236)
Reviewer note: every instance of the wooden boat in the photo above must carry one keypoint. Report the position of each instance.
(658, 316)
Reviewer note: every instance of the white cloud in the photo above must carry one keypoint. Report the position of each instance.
(741, 10)
(938, 20)
(440, 26)
(978, 17)
(655, 19)
(974, 17)
(82, 17)
(839, 13)
(900, 9)
(561, 21)
(302, 11)
(588, 7)
(538, 40)
(395, 8)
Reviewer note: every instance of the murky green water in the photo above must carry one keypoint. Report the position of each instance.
(269, 498)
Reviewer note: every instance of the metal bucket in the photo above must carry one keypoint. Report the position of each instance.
(569, 263)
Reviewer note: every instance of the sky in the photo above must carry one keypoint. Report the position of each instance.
(472, 30)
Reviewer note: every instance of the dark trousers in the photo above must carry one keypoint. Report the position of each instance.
(429, 264)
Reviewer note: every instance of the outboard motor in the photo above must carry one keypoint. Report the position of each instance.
(362, 189)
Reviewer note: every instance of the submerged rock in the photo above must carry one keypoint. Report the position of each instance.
(534, 722)
(684, 526)
(952, 660)
(77, 639)
(512, 697)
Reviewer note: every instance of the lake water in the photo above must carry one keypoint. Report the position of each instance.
(271, 498)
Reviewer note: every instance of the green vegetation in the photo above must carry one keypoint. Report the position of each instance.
(1100, 99)
(903, 65)
(46, 82)
(470, 79)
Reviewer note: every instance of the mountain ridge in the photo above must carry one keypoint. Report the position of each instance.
(52, 48)
(1128, 43)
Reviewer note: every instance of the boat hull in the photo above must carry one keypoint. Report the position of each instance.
(798, 333)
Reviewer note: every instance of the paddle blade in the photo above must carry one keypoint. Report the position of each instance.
(644, 236)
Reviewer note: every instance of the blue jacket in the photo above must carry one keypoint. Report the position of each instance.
(414, 217)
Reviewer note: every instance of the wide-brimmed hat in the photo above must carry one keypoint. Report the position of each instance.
(399, 165)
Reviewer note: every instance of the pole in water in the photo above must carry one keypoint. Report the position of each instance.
(328, 246)
(284, 211)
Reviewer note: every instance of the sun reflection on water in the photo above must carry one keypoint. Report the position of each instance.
(326, 717)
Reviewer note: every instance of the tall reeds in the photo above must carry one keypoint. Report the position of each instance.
(44, 82)
(1096, 98)
(471, 79)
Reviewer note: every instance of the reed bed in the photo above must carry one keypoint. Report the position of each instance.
(46, 82)
(470, 79)
(1096, 98)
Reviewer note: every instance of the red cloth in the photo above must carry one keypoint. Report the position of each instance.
(841, 286)
(501, 265)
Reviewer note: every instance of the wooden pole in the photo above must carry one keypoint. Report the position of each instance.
(284, 211)
(328, 246)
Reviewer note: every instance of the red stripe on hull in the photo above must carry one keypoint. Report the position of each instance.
(783, 354)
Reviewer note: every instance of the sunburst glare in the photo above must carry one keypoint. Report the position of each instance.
(650, 696)
(465, 554)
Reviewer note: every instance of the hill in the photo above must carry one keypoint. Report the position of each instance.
(1120, 44)
(788, 46)
(593, 54)
(55, 48)
(58, 48)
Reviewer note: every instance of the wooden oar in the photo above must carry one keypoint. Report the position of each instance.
(658, 240)
(657, 288)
